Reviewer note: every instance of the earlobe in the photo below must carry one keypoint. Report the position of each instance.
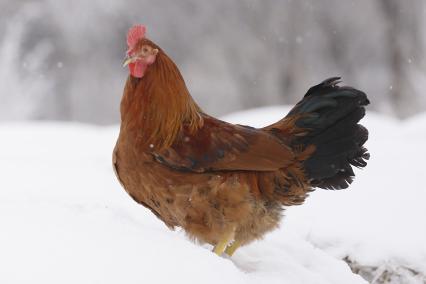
(150, 59)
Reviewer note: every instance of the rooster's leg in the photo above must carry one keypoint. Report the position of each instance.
(230, 250)
(224, 242)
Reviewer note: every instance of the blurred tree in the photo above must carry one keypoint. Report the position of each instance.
(233, 55)
(404, 46)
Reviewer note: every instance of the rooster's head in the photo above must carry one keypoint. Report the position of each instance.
(141, 52)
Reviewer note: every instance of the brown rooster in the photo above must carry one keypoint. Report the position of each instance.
(226, 184)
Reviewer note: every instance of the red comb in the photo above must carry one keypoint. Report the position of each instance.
(135, 34)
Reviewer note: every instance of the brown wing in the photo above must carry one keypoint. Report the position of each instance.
(223, 146)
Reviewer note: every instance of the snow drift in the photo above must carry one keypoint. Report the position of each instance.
(65, 219)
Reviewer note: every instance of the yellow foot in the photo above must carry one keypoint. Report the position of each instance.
(220, 247)
(230, 250)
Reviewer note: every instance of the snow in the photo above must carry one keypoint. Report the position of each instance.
(65, 219)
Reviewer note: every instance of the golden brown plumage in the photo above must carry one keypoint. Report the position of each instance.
(221, 182)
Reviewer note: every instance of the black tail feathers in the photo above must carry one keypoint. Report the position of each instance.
(331, 114)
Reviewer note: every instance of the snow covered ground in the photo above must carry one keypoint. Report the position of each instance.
(65, 219)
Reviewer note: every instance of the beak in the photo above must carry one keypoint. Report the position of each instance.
(131, 59)
(128, 60)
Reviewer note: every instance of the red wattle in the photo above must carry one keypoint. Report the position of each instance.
(137, 69)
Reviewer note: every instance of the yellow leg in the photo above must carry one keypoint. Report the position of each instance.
(220, 247)
(230, 250)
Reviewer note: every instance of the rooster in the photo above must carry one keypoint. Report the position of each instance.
(227, 184)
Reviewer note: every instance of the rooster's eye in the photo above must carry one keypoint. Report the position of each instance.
(145, 49)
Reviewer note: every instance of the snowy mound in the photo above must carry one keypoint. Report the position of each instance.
(65, 219)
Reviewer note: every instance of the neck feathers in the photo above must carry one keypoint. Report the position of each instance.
(156, 107)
